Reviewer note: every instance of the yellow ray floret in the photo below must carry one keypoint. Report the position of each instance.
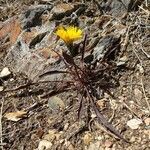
(69, 34)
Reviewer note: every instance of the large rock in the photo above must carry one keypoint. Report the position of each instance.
(118, 8)
(31, 43)
(31, 40)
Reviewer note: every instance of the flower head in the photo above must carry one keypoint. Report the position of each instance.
(69, 34)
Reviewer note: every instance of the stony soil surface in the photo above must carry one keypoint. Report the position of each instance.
(118, 33)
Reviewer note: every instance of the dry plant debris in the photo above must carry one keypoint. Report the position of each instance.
(15, 116)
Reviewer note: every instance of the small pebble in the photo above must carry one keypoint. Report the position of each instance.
(11, 80)
(1, 88)
(50, 136)
(101, 103)
(87, 138)
(93, 116)
(99, 138)
(66, 126)
(141, 69)
(147, 132)
(44, 145)
(108, 143)
(147, 121)
(61, 141)
(94, 146)
(132, 139)
(71, 147)
(5, 73)
(134, 123)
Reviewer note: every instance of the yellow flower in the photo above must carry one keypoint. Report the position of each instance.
(69, 34)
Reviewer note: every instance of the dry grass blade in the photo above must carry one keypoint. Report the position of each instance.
(1, 115)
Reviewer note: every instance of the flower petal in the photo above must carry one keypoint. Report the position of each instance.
(69, 34)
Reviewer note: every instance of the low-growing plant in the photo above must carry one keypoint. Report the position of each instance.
(85, 78)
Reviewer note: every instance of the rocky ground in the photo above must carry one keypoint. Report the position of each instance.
(118, 41)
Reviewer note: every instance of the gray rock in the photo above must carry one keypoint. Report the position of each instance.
(36, 56)
(55, 103)
(105, 46)
(32, 17)
(61, 10)
(119, 7)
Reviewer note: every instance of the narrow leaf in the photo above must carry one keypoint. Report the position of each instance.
(68, 58)
(52, 72)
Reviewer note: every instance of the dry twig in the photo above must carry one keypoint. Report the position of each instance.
(134, 50)
(1, 115)
(133, 112)
(146, 98)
